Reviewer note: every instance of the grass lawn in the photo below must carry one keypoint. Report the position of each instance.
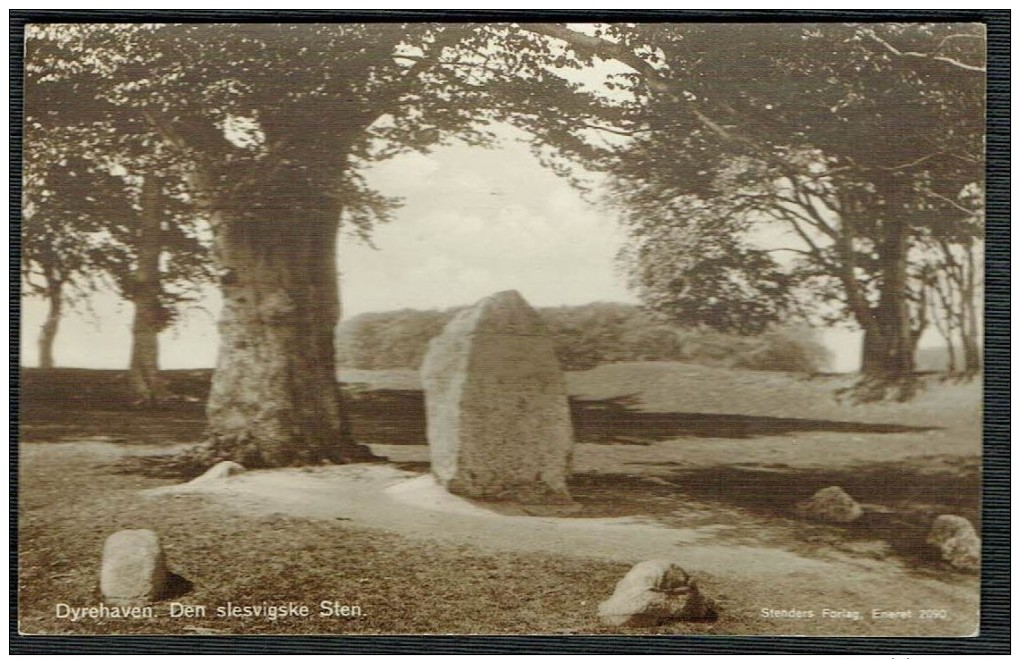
(715, 454)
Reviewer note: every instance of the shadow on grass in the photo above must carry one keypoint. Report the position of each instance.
(398, 417)
(141, 427)
(176, 587)
(81, 404)
(618, 420)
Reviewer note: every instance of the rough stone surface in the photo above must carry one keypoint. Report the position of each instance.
(219, 471)
(496, 402)
(652, 593)
(958, 542)
(831, 505)
(134, 568)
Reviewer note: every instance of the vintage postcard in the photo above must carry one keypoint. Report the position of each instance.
(502, 328)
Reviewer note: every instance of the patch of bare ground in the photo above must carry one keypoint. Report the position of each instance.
(383, 539)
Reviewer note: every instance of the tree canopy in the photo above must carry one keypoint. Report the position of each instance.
(856, 142)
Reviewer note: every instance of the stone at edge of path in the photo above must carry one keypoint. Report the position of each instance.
(219, 471)
(498, 420)
(134, 568)
(652, 593)
(832, 505)
(957, 541)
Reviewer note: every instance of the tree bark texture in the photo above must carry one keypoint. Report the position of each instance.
(889, 340)
(150, 316)
(274, 399)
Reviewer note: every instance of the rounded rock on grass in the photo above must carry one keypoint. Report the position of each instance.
(957, 541)
(655, 592)
(831, 505)
(134, 568)
(219, 471)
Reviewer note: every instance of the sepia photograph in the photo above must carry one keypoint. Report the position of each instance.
(501, 328)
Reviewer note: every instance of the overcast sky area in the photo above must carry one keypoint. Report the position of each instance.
(474, 221)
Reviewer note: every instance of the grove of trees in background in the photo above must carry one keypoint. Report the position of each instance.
(89, 225)
(584, 337)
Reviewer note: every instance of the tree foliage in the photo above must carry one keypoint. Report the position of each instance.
(821, 156)
(244, 104)
(81, 229)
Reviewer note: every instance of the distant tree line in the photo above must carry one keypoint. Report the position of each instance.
(584, 337)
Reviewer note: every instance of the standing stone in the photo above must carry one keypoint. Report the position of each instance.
(955, 538)
(496, 403)
(134, 568)
(652, 593)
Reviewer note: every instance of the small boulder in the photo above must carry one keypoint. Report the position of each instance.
(134, 568)
(652, 593)
(957, 541)
(219, 471)
(831, 505)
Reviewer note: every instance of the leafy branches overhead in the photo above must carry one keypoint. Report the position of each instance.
(244, 105)
(66, 209)
(757, 166)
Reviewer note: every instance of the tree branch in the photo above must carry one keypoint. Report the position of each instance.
(608, 50)
(963, 209)
(938, 58)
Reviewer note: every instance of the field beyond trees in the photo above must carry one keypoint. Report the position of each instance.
(696, 463)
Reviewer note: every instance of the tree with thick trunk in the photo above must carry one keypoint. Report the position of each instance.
(274, 124)
(970, 334)
(277, 193)
(888, 345)
(274, 397)
(944, 316)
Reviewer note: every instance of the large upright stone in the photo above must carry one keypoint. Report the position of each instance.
(496, 403)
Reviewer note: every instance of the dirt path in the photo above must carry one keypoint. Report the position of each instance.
(385, 497)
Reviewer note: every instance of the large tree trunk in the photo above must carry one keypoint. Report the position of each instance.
(150, 316)
(274, 399)
(889, 343)
(54, 312)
